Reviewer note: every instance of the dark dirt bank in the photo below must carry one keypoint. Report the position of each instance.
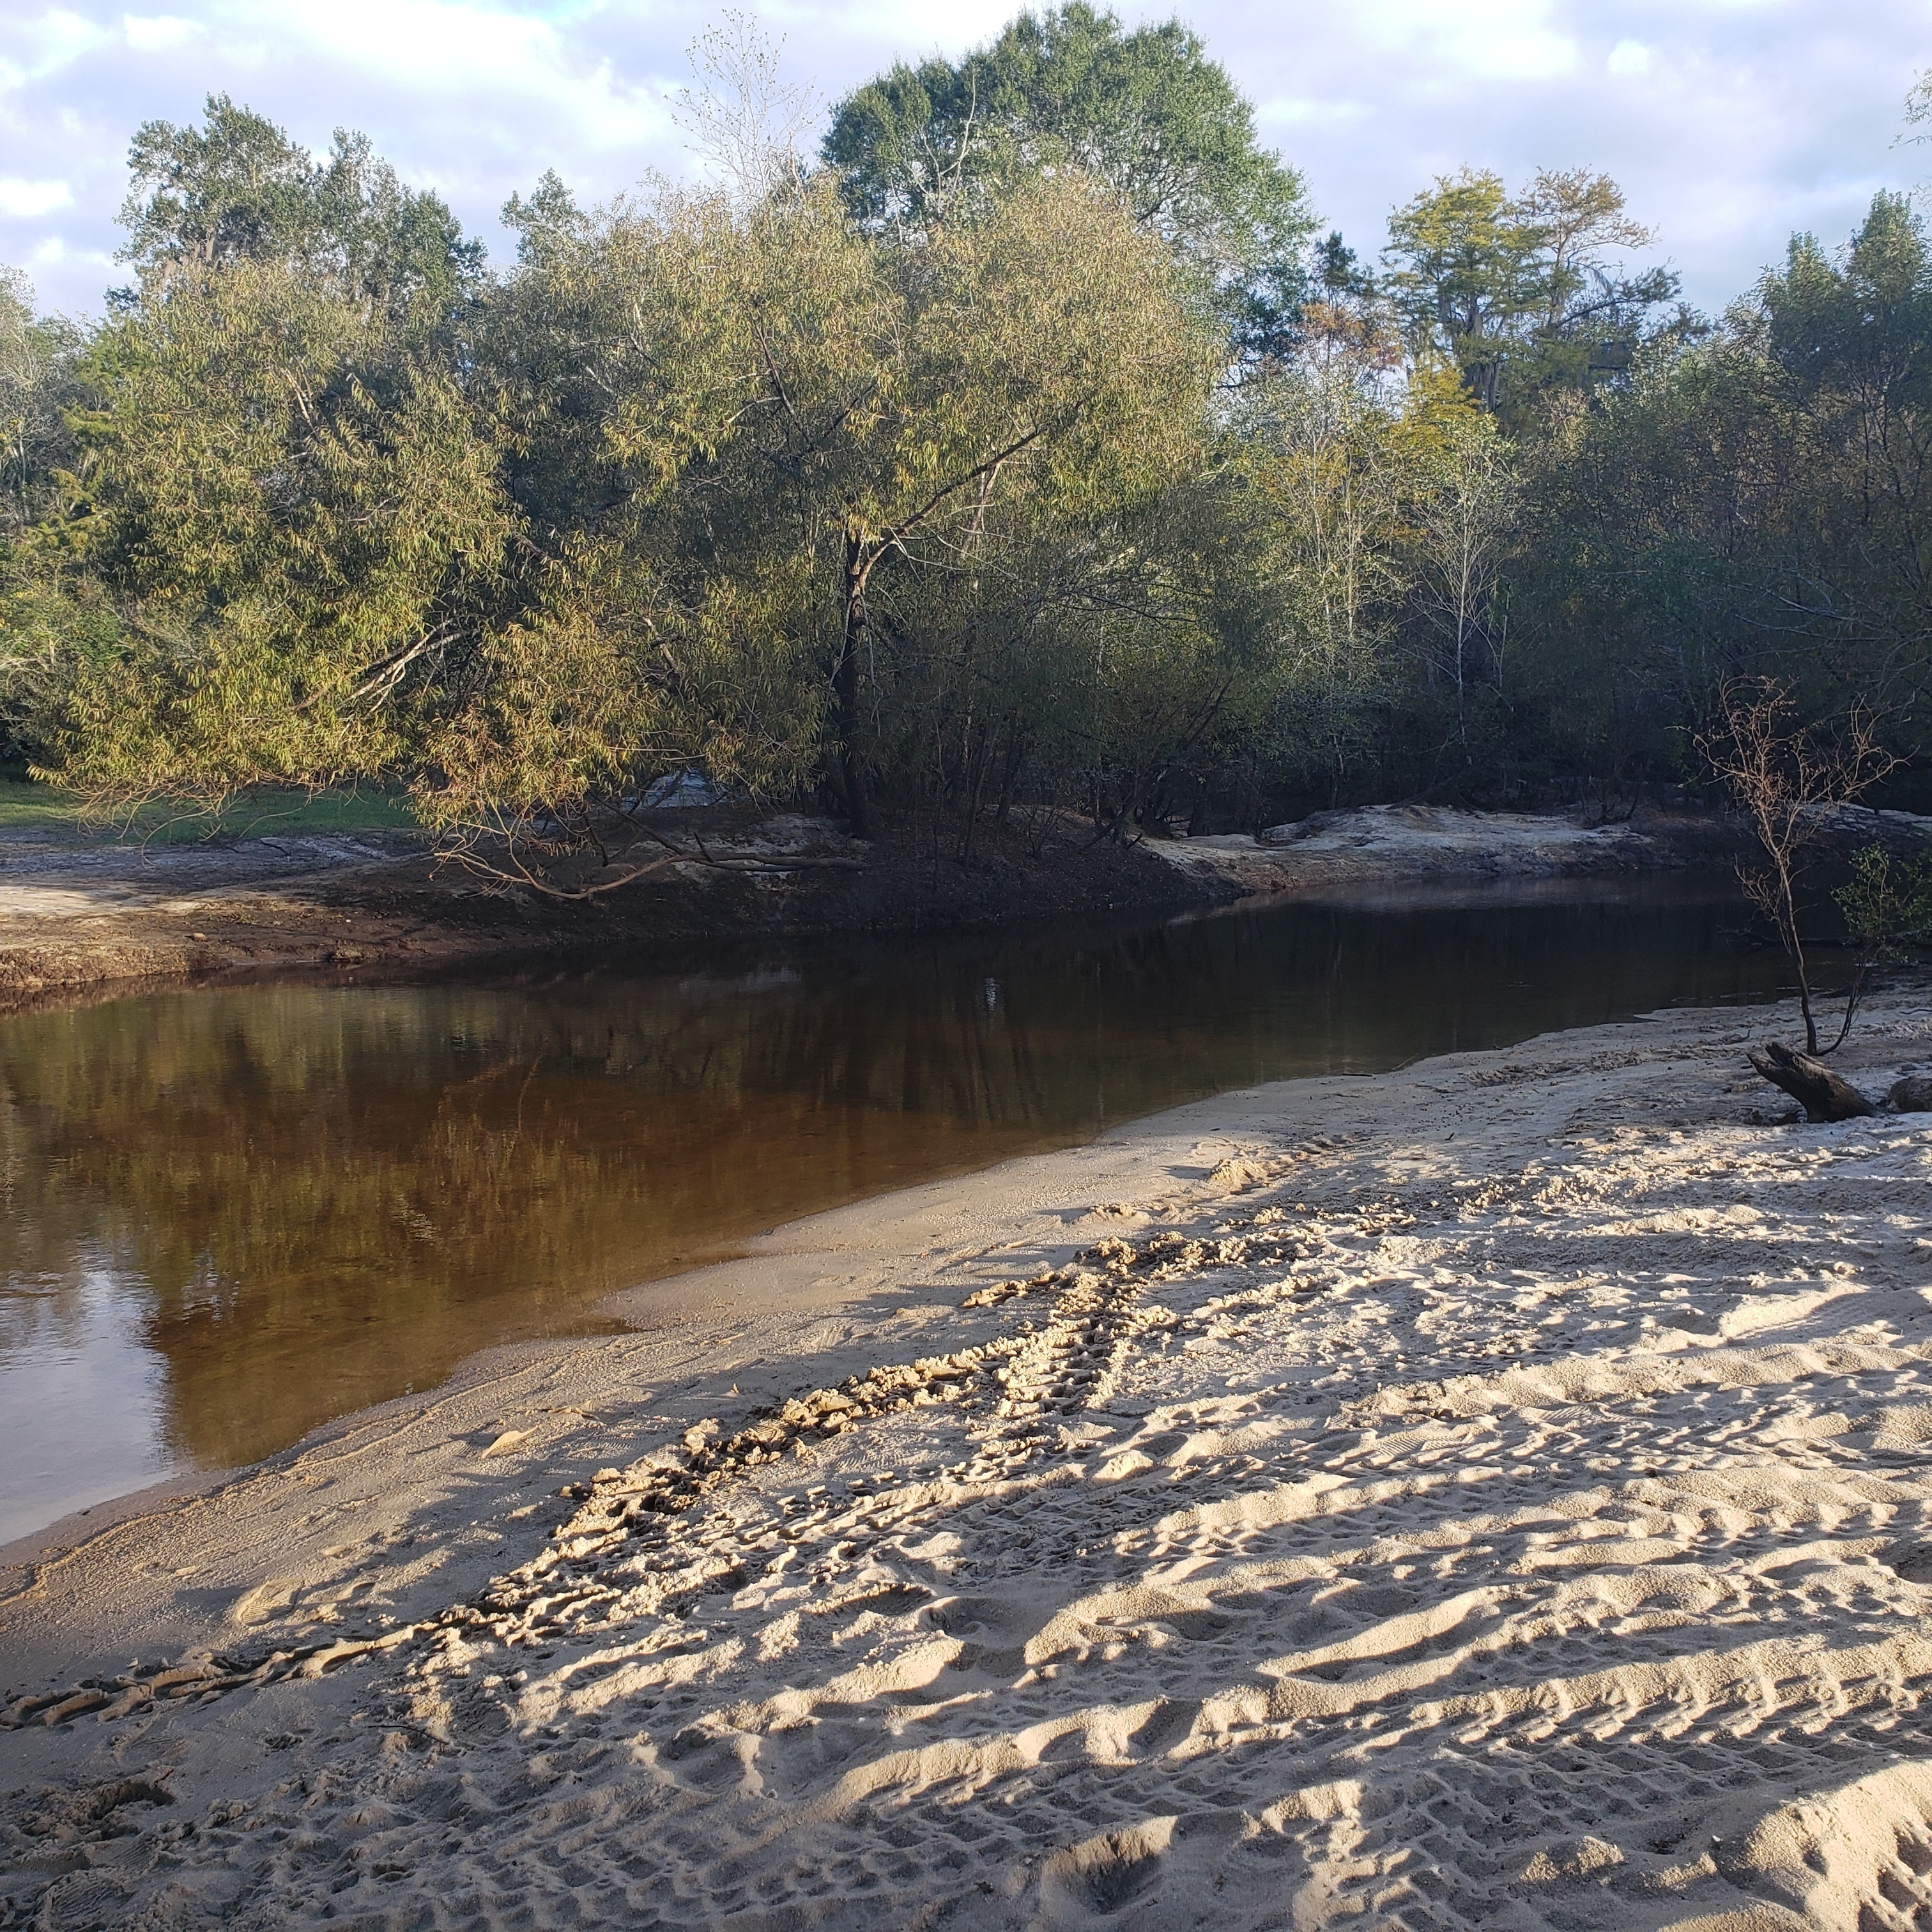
(86, 920)
(82, 921)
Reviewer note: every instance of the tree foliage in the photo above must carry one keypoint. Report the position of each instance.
(237, 190)
(1146, 111)
(1521, 293)
(1024, 455)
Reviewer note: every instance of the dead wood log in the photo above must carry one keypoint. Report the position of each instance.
(1823, 1096)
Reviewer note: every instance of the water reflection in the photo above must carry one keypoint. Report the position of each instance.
(229, 1215)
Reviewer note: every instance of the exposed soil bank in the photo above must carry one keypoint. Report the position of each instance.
(1490, 1492)
(80, 918)
(76, 918)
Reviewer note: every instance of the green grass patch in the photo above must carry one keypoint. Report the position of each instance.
(25, 806)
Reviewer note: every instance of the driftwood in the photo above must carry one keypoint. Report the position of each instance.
(1822, 1094)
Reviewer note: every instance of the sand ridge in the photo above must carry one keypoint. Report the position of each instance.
(1493, 1494)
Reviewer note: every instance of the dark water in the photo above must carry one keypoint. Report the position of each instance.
(227, 1216)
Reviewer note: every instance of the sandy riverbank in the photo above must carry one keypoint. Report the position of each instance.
(1495, 1493)
(1404, 845)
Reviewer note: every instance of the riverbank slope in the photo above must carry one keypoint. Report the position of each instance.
(78, 919)
(1493, 1492)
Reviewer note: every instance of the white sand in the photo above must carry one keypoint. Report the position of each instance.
(1390, 845)
(1495, 1494)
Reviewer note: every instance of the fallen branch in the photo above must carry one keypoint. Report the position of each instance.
(1823, 1096)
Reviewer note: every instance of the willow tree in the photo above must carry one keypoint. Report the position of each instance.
(281, 532)
(772, 429)
(301, 532)
(37, 389)
(47, 604)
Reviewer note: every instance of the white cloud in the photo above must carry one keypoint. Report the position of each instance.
(151, 33)
(1481, 40)
(25, 198)
(1630, 60)
(55, 40)
(1297, 114)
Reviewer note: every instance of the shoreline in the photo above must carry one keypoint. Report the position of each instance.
(1380, 1428)
(86, 922)
(682, 1159)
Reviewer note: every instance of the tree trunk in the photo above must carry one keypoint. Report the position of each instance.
(845, 687)
(1823, 1095)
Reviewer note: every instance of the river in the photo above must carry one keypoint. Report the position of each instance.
(229, 1214)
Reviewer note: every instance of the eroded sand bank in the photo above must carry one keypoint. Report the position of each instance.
(1494, 1493)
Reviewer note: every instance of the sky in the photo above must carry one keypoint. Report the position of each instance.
(1729, 123)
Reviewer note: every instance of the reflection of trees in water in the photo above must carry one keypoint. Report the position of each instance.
(322, 1197)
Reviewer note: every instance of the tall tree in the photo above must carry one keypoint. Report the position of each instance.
(1521, 293)
(1756, 505)
(237, 189)
(1145, 111)
(299, 528)
(48, 602)
(1461, 494)
(38, 354)
(1320, 498)
(791, 426)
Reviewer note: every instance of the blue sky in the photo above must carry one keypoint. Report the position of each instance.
(1729, 122)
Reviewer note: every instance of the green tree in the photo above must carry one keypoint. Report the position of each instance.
(1320, 496)
(1145, 111)
(38, 354)
(47, 606)
(299, 527)
(1461, 510)
(237, 189)
(1521, 293)
(798, 432)
(1753, 505)
(1846, 348)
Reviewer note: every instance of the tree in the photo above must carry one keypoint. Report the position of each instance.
(1520, 293)
(237, 189)
(47, 607)
(772, 414)
(1785, 777)
(1751, 505)
(1847, 348)
(299, 528)
(1321, 494)
(1887, 912)
(1460, 517)
(1146, 111)
(915, 484)
(745, 119)
(38, 357)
